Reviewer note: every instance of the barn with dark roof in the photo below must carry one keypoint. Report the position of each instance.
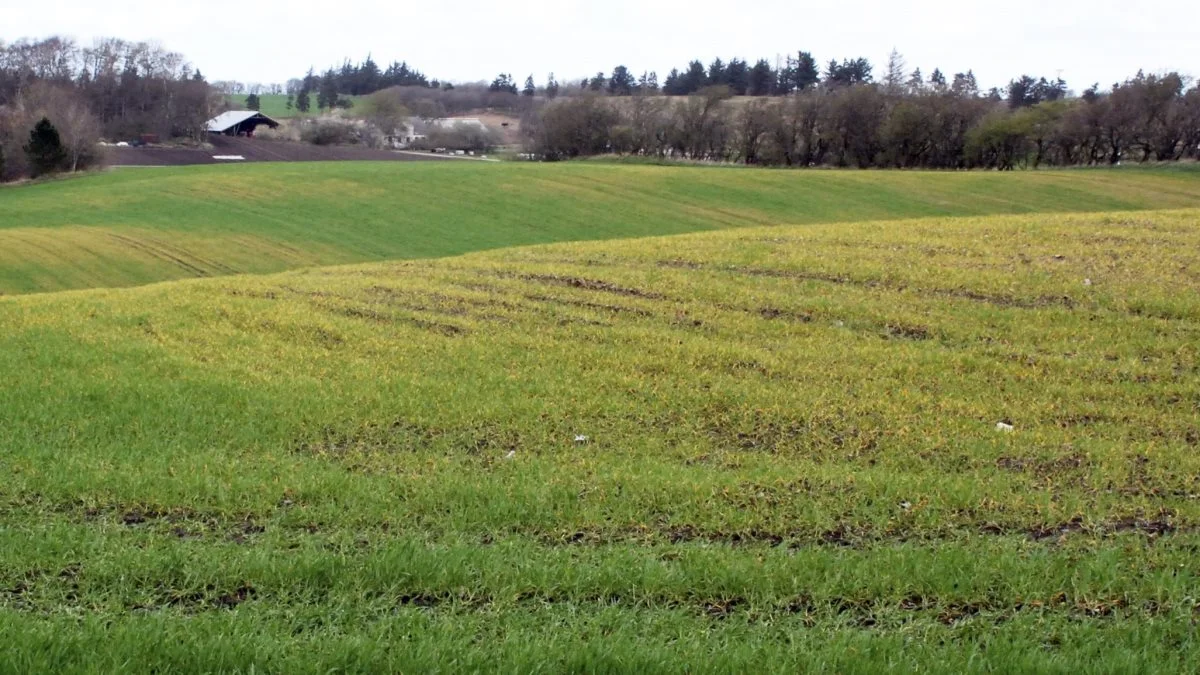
(239, 123)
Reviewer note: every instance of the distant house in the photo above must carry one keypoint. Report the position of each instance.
(239, 123)
(418, 129)
(452, 122)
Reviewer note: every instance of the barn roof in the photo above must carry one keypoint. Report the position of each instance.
(228, 120)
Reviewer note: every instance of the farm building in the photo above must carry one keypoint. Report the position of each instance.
(418, 129)
(239, 123)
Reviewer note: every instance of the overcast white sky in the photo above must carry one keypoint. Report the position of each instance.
(466, 40)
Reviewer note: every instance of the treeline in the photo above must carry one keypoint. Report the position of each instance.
(901, 122)
(113, 89)
(325, 91)
(796, 73)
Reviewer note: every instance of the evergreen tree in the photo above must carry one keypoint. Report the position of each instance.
(716, 72)
(916, 82)
(937, 80)
(622, 82)
(737, 76)
(327, 95)
(893, 80)
(648, 83)
(504, 83)
(965, 84)
(762, 79)
(551, 87)
(366, 78)
(253, 102)
(695, 79)
(848, 72)
(311, 82)
(302, 101)
(673, 85)
(1021, 92)
(530, 88)
(45, 149)
(807, 74)
(598, 83)
(291, 102)
(799, 74)
(1052, 91)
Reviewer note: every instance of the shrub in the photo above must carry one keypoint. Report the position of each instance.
(461, 137)
(329, 131)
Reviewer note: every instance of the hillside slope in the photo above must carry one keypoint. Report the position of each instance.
(766, 449)
(139, 226)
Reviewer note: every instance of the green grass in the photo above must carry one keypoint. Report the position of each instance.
(792, 463)
(139, 226)
(275, 105)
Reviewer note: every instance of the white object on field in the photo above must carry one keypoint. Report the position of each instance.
(1005, 427)
(230, 158)
(512, 454)
(581, 439)
(1087, 282)
(906, 505)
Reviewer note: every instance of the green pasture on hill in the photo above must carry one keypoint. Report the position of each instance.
(764, 449)
(275, 105)
(137, 226)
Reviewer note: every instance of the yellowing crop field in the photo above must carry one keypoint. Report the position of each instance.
(946, 443)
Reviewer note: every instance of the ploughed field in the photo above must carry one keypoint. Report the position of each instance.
(222, 148)
(757, 449)
(137, 226)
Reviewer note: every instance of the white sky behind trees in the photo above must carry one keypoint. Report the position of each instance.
(1085, 41)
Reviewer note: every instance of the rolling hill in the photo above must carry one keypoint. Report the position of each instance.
(138, 226)
(763, 449)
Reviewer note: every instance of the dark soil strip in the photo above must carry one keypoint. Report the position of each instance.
(187, 523)
(615, 309)
(861, 612)
(997, 300)
(589, 285)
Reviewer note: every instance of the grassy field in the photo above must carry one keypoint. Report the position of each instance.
(275, 105)
(787, 458)
(139, 226)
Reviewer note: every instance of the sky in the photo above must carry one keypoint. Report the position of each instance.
(1083, 41)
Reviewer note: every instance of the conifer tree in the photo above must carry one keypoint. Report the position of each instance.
(45, 149)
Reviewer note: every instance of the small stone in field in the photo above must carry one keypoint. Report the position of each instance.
(906, 505)
(511, 454)
(1087, 282)
(1005, 427)
(581, 439)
